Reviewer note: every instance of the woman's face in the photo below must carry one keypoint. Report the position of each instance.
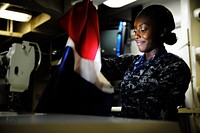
(146, 34)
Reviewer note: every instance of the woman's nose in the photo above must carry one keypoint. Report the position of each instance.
(137, 35)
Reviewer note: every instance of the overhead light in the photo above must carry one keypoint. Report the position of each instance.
(4, 6)
(117, 3)
(16, 16)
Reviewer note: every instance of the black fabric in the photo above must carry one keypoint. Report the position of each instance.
(68, 92)
(76, 97)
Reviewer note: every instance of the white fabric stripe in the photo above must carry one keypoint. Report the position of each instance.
(90, 70)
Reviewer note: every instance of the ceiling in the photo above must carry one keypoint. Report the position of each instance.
(45, 28)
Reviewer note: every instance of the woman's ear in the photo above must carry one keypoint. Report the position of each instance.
(163, 32)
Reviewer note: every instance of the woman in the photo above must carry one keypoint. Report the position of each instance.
(154, 84)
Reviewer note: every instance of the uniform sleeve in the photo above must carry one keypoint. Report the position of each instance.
(174, 81)
(113, 68)
(162, 98)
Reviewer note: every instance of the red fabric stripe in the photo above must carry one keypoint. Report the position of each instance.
(81, 24)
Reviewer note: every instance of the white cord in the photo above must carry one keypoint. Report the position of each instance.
(39, 51)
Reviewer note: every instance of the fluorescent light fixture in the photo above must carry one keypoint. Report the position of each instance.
(117, 3)
(16, 16)
(4, 6)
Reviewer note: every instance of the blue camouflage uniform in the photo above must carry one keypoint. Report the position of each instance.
(150, 89)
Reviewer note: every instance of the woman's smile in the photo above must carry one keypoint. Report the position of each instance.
(139, 42)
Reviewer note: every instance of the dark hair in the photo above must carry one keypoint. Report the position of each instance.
(163, 18)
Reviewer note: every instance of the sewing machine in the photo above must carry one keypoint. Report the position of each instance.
(16, 66)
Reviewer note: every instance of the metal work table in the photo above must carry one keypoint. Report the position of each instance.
(67, 123)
